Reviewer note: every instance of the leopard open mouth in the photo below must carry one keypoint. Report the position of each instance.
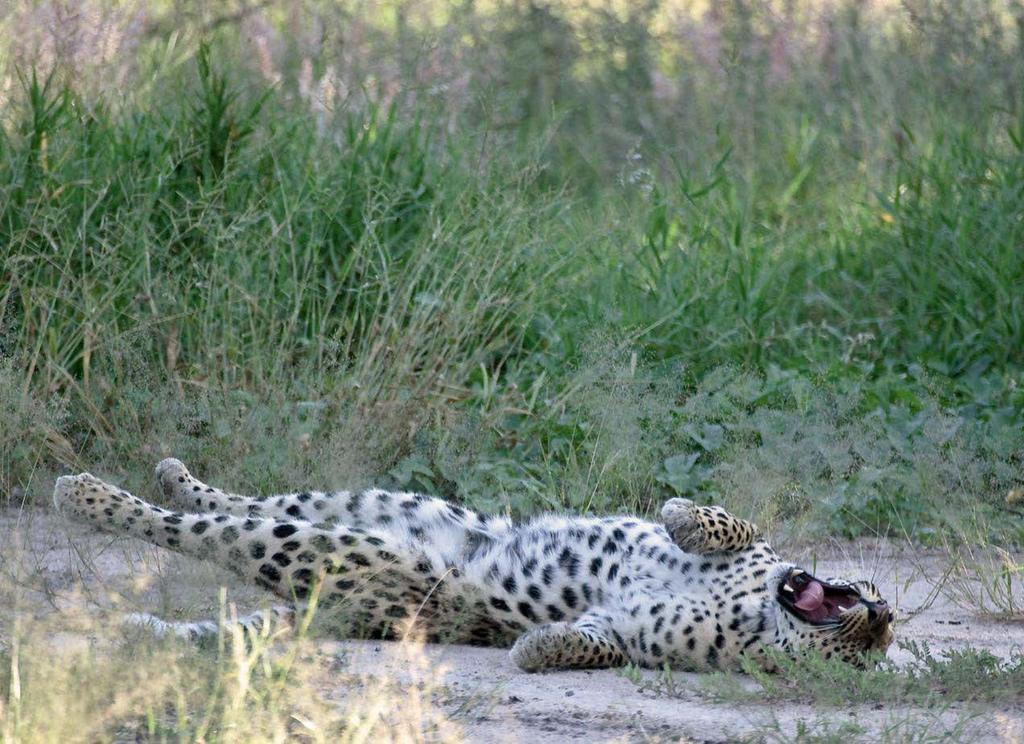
(815, 601)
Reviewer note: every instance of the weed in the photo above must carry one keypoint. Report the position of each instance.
(985, 580)
(910, 727)
(708, 257)
(962, 675)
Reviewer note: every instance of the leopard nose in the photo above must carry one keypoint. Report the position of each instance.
(879, 613)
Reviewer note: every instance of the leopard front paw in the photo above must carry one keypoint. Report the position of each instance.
(539, 648)
(686, 530)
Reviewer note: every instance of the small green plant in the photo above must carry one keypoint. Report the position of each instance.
(967, 675)
(927, 726)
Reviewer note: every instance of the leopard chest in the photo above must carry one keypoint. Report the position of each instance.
(702, 616)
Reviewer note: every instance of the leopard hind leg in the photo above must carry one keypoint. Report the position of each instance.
(378, 579)
(420, 518)
(251, 625)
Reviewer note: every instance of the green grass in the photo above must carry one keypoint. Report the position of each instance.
(964, 675)
(611, 267)
(831, 729)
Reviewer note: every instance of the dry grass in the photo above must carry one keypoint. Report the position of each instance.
(70, 672)
(71, 677)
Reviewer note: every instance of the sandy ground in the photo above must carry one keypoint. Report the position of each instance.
(57, 565)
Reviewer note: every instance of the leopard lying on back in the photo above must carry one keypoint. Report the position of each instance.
(699, 592)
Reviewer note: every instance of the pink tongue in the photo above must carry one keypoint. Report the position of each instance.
(811, 597)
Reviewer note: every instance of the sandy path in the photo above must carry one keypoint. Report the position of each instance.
(58, 564)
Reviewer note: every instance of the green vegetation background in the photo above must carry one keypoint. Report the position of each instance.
(525, 255)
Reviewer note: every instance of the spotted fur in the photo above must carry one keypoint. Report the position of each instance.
(699, 592)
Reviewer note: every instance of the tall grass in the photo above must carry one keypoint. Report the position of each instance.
(527, 256)
(60, 687)
(524, 255)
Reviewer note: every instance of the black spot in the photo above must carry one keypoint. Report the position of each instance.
(618, 534)
(285, 530)
(281, 559)
(270, 571)
(655, 609)
(291, 545)
(294, 511)
(500, 604)
(173, 542)
(304, 497)
(173, 519)
(344, 584)
(348, 540)
(220, 518)
(547, 575)
(358, 558)
(306, 556)
(509, 584)
(257, 550)
(613, 571)
(534, 592)
(595, 566)
(200, 527)
(375, 541)
(303, 575)
(396, 611)
(554, 613)
(526, 610)
(250, 525)
(229, 535)
(569, 597)
(409, 505)
(569, 561)
(609, 547)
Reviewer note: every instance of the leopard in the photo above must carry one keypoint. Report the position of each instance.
(700, 590)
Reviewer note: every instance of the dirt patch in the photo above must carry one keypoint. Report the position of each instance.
(56, 565)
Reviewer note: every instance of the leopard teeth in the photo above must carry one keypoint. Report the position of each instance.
(787, 587)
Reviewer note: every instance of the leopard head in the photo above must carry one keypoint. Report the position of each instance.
(848, 620)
